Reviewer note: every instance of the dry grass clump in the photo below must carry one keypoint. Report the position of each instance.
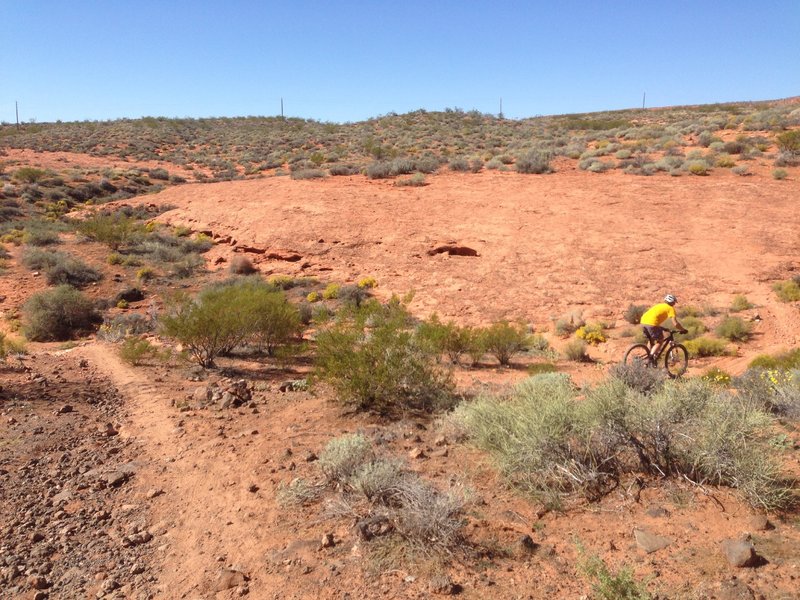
(389, 503)
(547, 442)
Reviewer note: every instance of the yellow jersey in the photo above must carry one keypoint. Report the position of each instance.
(658, 314)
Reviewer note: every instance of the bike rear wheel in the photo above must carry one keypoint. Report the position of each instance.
(676, 360)
(638, 355)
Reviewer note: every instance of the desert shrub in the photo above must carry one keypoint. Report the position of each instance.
(145, 274)
(697, 167)
(725, 161)
(704, 346)
(633, 314)
(592, 333)
(10, 346)
(787, 291)
(301, 174)
(694, 329)
(135, 349)
(607, 585)
(241, 265)
(784, 361)
(353, 295)
(547, 442)
(741, 170)
(475, 344)
(789, 141)
(503, 340)
(374, 362)
(534, 162)
(223, 317)
(57, 314)
(717, 376)
(443, 338)
(342, 456)
(495, 164)
(29, 174)
(638, 376)
(60, 268)
(475, 165)
(576, 351)
(416, 180)
(734, 329)
(331, 291)
(119, 327)
(459, 165)
(339, 170)
(780, 174)
(283, 282)
(367, 282)
(159, 174)
(787, 159)
(38, 233)
(379, 170)
(113, 229)
(740, 303)
(541, 368)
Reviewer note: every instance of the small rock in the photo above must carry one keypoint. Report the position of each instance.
(740, 553)
(153, 492)
(39, 583)
(310, 457)
(40, 595)
(657, 511)
(416, 453)
(650, 542)
(228, 579)
(252, 488)
(440, 441)
(527, 545)
(108, 430)
(759, 523)
(67, 408)
(328, 540)
(37, 537)
(734, 589)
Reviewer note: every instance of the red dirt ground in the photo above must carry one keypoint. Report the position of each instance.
(546, 245)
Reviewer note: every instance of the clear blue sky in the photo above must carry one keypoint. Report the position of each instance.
(350, 60)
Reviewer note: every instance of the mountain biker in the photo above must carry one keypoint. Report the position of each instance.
(653, 318)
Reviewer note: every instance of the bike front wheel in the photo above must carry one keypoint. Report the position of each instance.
(676, 360)
(638, 355)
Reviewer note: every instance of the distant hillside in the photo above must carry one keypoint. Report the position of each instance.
(230, 148)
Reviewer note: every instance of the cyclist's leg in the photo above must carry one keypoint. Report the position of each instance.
(656, 335)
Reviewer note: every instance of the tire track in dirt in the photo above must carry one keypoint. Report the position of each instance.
(217, 471)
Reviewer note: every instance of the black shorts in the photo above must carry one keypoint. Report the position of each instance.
(654, 333)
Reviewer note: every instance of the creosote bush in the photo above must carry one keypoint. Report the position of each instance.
(57, 314)
(223, 317)
(787, 291)
(503, 340)
(374, 362)
(734, 329)
(546, 441)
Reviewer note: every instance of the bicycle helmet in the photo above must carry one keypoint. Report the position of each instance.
(670, 299)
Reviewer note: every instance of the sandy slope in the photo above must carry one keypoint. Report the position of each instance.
(545, 244)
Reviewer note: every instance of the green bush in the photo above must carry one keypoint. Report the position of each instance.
(443, 338)
(607, 585)
(503, 340)
(694, 329)
(57, 314)
(704, 346)
(38, 233)
(113, 229)
(223, 317)
(787, 291)
(374, 362)
(734, 329)
(780, 174)
(29, 174)
(784, 361)
(135, 349)
(740, 303)
(789, 141)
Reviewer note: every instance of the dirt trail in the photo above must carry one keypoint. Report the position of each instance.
(217, 511)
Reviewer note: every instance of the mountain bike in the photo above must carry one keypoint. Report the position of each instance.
(676, 356)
